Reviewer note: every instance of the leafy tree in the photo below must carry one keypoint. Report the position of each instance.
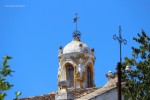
(5, 71)
(138, 79)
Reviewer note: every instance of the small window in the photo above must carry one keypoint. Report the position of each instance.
(70, 75)
(88, 77)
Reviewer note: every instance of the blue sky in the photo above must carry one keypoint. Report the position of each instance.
(31, 31)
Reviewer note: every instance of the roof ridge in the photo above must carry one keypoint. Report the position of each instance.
(96, 93)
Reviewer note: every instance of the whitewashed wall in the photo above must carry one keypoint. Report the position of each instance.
(110, 95)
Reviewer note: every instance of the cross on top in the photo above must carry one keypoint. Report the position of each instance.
(120, 40)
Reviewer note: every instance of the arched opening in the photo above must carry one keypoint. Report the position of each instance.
(89, 80)
(70, 75)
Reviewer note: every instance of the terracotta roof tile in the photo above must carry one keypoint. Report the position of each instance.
(50, 96)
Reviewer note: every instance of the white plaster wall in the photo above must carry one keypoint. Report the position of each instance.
(110, 95)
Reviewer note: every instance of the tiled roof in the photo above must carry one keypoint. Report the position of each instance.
(50, 96)
(95, 93)
(111, 84)
(81, 94)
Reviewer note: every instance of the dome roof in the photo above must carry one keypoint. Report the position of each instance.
(76, 46)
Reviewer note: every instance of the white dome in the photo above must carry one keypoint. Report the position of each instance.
(76, 46)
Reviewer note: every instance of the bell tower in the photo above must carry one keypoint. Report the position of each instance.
(76, 64)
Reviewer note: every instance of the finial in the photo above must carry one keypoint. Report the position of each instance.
(75, 20)
(76, 33)
(120, 31)
(120, 40)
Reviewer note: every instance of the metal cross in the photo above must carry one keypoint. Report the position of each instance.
(120, 40)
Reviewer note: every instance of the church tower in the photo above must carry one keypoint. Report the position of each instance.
(76, 64)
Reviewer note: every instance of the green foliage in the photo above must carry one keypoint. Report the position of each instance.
(5, 71)
(138, 79)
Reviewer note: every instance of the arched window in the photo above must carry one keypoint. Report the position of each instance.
(70, 75)
(88, 77)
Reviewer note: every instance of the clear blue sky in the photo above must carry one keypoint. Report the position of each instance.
(31, 31)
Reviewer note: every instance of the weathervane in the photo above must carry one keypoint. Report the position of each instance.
(75, 20)
(76, 33)
(120, 40)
